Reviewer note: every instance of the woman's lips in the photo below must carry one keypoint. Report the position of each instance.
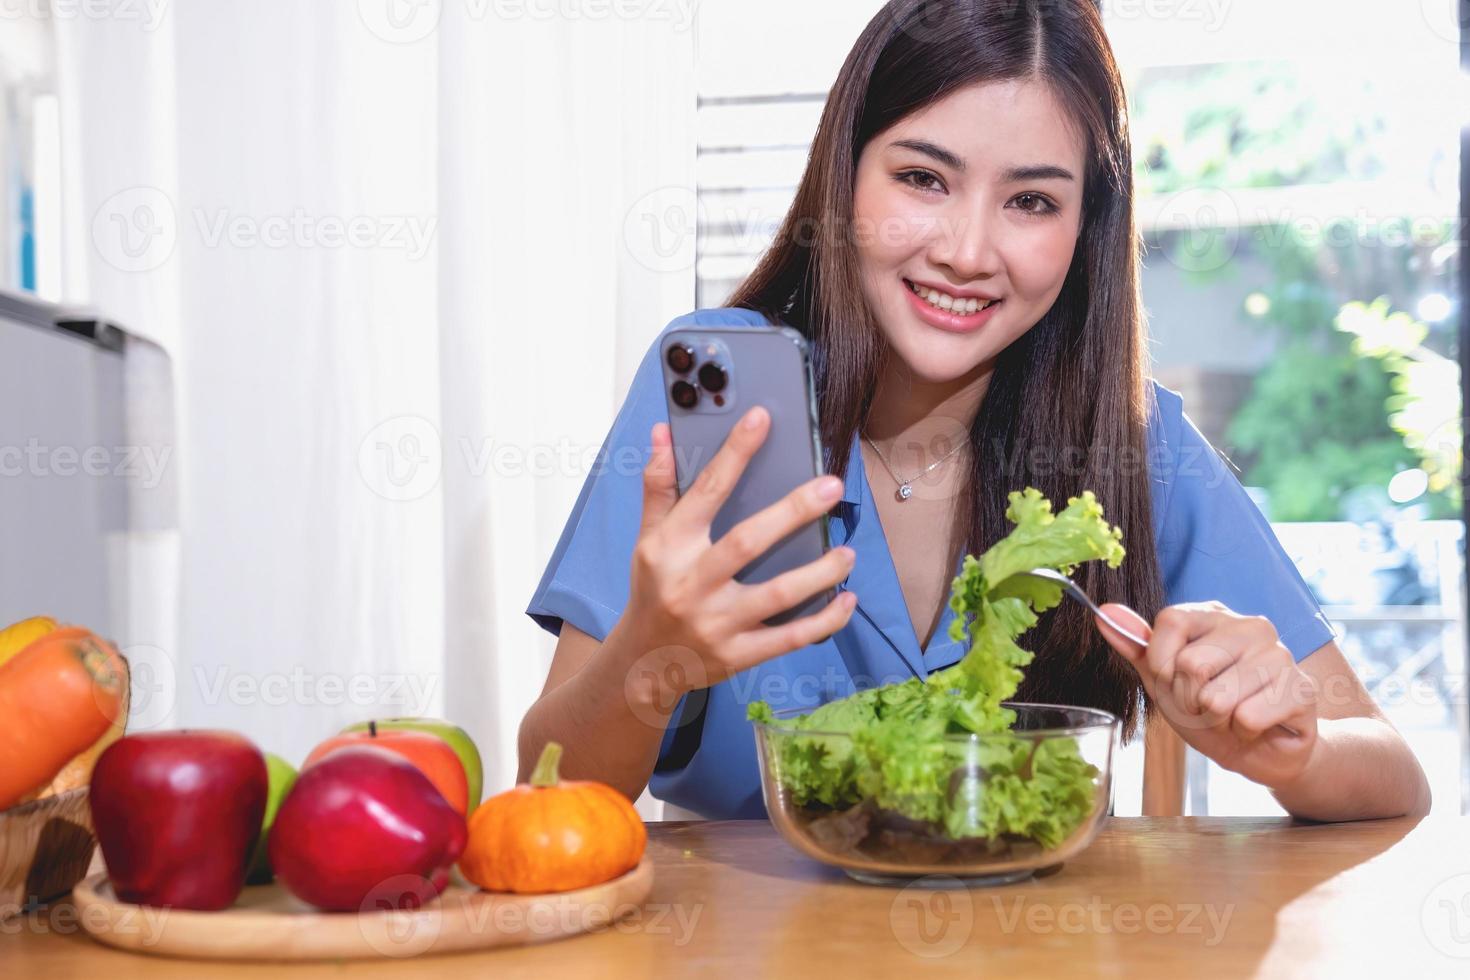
(953, 322)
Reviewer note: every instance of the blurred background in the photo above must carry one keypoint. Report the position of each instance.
(346, 294)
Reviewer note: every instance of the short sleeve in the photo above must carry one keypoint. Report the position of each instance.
(1214, 543)
(586, 580)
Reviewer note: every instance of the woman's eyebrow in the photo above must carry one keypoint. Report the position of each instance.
(1010, 175)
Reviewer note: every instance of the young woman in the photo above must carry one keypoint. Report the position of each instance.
(962, 256)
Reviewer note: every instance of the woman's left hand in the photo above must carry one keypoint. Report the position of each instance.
(1227, 685)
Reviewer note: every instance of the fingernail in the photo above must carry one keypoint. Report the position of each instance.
(752, 419)
(847, 552)
(830, 488)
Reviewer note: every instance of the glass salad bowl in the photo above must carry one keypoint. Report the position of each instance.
(956, 810)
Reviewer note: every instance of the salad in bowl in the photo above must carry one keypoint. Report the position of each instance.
(947, 778)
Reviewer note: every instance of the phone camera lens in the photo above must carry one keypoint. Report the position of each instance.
(712, 377)
(685, 394)
(680, 358)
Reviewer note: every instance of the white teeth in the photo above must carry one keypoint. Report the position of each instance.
(949, 303)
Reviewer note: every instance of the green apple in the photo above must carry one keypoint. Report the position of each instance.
(459, 740)
(282, 777)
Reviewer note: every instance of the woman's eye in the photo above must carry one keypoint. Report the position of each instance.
(914, 178)
(1038, 206)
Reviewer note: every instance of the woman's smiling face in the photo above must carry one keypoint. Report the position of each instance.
(978, 196)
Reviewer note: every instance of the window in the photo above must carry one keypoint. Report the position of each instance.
(30, 168)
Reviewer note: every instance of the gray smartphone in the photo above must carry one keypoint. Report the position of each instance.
(712, 377)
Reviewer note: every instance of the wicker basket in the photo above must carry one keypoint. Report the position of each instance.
(46, 845)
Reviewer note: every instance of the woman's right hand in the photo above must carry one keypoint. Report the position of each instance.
(690, 622)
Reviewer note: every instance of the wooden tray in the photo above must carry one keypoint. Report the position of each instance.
(266, 923)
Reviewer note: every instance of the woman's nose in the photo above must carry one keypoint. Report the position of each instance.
(966, 244)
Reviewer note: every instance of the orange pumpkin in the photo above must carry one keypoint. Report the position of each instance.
(552, 836)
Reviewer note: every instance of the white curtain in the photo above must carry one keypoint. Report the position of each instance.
(405, 259)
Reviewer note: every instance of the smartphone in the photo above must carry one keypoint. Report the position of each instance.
(712, 377)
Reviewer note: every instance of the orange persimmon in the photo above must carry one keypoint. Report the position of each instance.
(58, 696)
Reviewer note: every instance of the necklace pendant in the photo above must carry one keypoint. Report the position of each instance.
(904, 491)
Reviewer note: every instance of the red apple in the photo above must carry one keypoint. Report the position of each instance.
(364, 828)
(432, 755)
(177, 815)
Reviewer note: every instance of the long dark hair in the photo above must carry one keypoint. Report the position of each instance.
(1066, 408)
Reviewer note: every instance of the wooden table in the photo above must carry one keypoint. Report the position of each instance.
(1167, 897)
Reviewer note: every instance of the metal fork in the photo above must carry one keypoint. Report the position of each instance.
(1075, 591)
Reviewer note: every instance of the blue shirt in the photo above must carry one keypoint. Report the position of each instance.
(1212, 542)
